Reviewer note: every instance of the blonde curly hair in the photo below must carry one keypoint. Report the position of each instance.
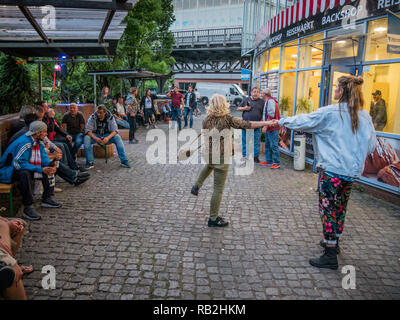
(218, 106)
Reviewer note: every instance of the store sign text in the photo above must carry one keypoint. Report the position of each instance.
(383, 4)
(301, 28)
(274, 39)
(341, 15)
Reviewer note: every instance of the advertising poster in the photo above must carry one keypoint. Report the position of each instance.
(384, 164)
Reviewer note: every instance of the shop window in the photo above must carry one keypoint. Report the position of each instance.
(286, 96)
(273, 61)
(289, 56)
(286, 93)
(345, 42)
(265, 61)
(307, 98)
(311, 51)
(382, 96)
(259, 65)
(376, 47)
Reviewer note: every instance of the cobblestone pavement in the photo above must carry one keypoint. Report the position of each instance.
(138, 234)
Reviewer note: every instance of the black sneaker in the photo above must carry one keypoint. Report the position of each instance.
(31, 214)
(80, 180)
(50, 203)
(256, 160)
(323, 245)
(82, 169)
(219, 222)
(7, 276)
(328, 260)
(83, 174)
(195, 190)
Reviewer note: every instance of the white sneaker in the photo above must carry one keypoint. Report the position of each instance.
(155, 127)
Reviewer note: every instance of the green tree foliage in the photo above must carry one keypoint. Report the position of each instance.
(147, 42)
(15, 88)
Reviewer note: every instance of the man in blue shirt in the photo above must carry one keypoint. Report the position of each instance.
(26, 159)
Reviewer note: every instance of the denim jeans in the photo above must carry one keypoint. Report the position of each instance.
(272, 154)
(67, 157)
(123, 123)
(132, 127)
(66, 142)
(257, 135)
(147, 114)
(189, 113)
(176, 116)
(88, 141)
(78, 141)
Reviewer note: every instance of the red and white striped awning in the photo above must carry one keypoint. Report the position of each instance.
(302, 9)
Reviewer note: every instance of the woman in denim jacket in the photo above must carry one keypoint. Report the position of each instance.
(343, 136)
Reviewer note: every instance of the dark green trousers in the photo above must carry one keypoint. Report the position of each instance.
(220, 175)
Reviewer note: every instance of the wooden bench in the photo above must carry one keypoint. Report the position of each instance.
(99, 151)
(6, 188)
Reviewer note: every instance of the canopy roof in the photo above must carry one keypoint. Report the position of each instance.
(133, 74)
(81, 28)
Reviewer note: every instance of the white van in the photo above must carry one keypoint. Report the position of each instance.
(233, 93)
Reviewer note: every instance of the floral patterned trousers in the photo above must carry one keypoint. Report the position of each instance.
(334, 193)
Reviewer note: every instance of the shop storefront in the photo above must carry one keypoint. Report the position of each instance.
(302, 52)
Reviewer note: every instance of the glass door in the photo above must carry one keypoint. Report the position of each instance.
(331, 77)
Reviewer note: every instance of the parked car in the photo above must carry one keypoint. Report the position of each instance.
(233, 93)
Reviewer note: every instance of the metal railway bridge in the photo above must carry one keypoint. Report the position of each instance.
(209, 51)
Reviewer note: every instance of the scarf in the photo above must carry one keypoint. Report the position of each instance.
(36, 158)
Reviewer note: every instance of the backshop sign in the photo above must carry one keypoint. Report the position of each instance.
(309, 16)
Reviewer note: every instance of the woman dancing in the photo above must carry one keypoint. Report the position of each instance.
(218, 118)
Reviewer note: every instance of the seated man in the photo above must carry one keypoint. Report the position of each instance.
(166, 112)
(120, 114)
(66, 154)
(101, 128)
(11, 286)
(71, 176)
(24, 160)
(74, 124)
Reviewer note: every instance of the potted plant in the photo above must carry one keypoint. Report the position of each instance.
(284, 106)
(303, 106)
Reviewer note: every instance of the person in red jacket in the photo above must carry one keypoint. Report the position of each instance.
(271, 112)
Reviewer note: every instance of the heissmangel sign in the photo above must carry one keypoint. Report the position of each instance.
(308, 16)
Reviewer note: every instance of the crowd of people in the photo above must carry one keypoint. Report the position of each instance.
(40, 148)
(131, 112)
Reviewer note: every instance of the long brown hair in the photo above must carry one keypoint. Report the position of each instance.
(352, 94)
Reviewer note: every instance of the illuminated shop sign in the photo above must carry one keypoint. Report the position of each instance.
(309, 16)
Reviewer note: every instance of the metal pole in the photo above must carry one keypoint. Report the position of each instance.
(95, 94)
(40, 82)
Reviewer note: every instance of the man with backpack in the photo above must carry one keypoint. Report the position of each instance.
(271, 112)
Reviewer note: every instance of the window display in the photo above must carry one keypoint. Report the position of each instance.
(382, 96)
(311, 51)
(273, 63)
(307, 98)
(289, 56)
(376, 46)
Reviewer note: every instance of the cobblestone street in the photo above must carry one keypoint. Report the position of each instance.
(139, 234)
